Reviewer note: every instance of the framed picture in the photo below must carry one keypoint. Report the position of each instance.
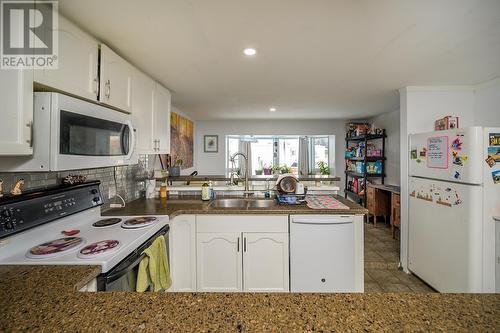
(211, 143)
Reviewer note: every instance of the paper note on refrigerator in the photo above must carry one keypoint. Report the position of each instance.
(437, 152)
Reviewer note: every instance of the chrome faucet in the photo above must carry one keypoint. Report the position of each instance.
(247, 191)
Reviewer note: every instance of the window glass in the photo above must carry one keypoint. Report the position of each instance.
(278, 152)
(261, 155)
(233, 146)
(289, 154)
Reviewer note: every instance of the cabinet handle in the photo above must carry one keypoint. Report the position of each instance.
(96, 86)
(244, 244)
(238, 245)
(30, 140)
(108, 89)
(159, 144)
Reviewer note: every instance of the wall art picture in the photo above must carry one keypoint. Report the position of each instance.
(211, 143)
(181, 140)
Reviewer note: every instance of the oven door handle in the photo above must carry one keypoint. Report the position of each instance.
(119, 274)
(116, 275)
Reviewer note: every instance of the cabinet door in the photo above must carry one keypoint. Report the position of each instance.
(16, 110)
(77, 63)
(161, 123)
(219, 262)
(142, 112)
(265, 262)
(116, 80)
(183, 253)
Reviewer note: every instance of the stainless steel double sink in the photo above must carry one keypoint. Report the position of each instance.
(243, 203)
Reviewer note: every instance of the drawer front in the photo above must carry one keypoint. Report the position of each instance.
(241, 223)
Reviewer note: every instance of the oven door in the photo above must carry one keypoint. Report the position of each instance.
(123, 277)
(87, 135)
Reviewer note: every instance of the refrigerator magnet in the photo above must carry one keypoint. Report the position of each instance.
(456, 144)
(490, 161)
(413, 154)
(494, 139)
(494, 152)
(496, 176)
(457, 175)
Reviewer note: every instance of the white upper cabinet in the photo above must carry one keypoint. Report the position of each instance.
(77, 63)
(16, 110)
(142, 112)
(115, 80)
(150, 114)
(161, 120)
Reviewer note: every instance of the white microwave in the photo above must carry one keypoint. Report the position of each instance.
(70, 134)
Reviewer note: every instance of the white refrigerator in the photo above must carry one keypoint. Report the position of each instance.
(454, 189)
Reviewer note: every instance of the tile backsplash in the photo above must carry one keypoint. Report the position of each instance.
(128, 184)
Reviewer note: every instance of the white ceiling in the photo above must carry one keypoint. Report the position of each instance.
(317, 59)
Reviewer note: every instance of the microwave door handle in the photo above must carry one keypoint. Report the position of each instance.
(132, 141)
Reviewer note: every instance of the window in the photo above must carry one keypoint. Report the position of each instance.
(318, 152)
(280, 152)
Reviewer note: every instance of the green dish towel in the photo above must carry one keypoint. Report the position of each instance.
(153, 269)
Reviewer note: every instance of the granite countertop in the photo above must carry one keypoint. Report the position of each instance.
(45, 299)
(193, 205)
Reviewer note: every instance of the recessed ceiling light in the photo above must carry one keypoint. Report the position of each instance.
(249, 51)
(272, 109)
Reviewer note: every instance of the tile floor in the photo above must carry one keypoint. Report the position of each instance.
(381, 263)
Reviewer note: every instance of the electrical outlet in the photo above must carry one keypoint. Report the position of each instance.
(111, 192)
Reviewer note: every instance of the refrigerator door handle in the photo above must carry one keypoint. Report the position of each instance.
(496, 218)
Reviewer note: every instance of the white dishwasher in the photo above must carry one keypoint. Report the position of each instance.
(322, 253)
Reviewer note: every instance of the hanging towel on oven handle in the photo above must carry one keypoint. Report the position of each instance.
(153, 269)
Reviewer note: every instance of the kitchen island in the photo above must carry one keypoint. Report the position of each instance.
(45, 299)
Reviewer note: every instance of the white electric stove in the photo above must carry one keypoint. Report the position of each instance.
(65, 227)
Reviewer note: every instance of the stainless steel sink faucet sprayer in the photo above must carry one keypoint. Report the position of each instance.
(246, 192)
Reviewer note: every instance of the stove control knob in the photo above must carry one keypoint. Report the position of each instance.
(8, 225)
(94, 191)
(6, 213)
(97, 199)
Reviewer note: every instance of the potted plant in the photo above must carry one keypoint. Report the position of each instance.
(175, 170)
(268, 170)
(259, 172)
(324, 170)
(286, 169)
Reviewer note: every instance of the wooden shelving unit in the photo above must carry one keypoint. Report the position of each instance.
(361, 199)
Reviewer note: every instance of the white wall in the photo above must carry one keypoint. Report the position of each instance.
(390, 122)
(487, 104)
(214, 163)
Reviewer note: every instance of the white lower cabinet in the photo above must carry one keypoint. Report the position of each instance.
(242, 253)
(219, 261)
(265, 262)
(183, 253)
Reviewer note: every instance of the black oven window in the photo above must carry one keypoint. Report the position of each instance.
(84, 135)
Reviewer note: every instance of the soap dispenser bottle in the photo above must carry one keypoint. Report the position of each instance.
(205, 192)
